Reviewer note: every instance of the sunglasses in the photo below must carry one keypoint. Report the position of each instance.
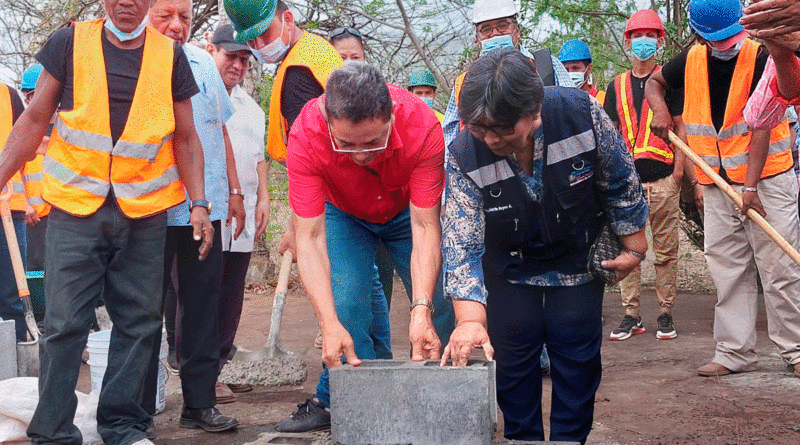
(338, 32)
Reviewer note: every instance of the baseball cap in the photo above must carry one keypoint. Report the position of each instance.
(223, 36)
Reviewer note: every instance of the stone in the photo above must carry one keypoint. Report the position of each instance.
(8, 350)
(394, 402)
(278, 371)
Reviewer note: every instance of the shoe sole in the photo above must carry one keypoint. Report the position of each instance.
(714, 374)
(620, 337)
(172, 370)
(193, 424)
(666, 335)
(224, 400)
(321, 428)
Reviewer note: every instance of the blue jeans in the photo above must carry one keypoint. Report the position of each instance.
(10, 303)
(123, 259)
(380, 331)
(521, 320)
(351, 250)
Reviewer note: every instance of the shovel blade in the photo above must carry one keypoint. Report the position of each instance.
(28, 359)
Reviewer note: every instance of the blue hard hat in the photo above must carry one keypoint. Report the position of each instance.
(715, 20)
(575, 50)
(30, 76)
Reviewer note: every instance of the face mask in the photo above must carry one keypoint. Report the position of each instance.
(496, 42)
(125, 36)
(579, 77)
(644, 47)
(273, 52)
(726, 54)
(428, 101)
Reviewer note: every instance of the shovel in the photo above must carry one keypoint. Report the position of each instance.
(27, 352)
(737, 199)
(273, 348)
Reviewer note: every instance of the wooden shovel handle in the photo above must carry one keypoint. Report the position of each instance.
(13, 247)
(737, 199)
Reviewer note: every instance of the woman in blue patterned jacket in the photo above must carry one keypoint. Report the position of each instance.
(528, 181)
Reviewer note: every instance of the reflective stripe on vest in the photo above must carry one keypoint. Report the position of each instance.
(33, 177)
(729, 147)
(17, 201)
(321, 58)
(636, 129)
(83, 164)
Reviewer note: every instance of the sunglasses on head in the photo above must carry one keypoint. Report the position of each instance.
(338, 32)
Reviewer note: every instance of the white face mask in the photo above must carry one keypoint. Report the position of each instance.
(125, 36)
(726, 54)
(579, 77)
(274, 51)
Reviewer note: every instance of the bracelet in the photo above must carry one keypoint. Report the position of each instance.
(422, 302)
(695, 182)
(237, 192)
(641, 256)
(749, 189)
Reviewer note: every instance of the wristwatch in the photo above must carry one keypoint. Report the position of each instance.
(200, 203)
(237, 192)
(750, 189)
(641, 256)
(422, 302)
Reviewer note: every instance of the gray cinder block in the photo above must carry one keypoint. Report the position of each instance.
(385, 402)
(8, 350)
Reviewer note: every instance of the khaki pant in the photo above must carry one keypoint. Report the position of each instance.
(736, 249)
(662, 198)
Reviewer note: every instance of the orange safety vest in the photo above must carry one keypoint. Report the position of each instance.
(33, 176)
(642, 143)
(82, 164)
(729, 147)
(457, 92)
(600, 95)
(314, 53)
(17, 202)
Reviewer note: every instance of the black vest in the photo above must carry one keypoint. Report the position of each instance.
(524, 238)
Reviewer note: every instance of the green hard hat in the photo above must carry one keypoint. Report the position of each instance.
(250, 18)
(422, 77)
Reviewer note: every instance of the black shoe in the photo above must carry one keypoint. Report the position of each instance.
(150, 433)
(630, 326)
(172, 362)
(209, 419)
(666, 330)
(310, 416)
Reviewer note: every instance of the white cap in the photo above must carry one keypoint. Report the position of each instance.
(484, 10)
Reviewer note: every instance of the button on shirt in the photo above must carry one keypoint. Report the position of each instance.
(411, 169)
(211, 108)
(246, 130)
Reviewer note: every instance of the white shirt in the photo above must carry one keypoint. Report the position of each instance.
(246, 129)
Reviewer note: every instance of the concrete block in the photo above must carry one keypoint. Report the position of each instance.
(8, 350)
(385, 402)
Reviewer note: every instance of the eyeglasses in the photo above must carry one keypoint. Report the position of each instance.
(365, 150)
(502, 26)
(500, 130)
(338, 32)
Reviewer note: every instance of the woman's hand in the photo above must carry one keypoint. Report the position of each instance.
(467, 336)
(622, 265)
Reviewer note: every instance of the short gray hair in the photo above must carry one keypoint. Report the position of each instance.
(356, 92)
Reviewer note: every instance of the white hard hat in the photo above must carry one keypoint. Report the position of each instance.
(484, 10)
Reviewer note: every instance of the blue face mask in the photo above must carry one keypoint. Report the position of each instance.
(125, 36)
(644, 47)
(496, 42)
(428, 101)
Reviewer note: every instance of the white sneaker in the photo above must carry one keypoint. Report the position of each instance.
(143, 442)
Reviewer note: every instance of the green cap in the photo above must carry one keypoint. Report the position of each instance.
(250, 18)
(422, 77)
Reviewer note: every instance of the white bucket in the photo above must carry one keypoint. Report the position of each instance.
(98, 361)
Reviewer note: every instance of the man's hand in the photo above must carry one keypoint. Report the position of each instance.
(288, 242)
(771, 18)
(466, 337)
(750, 200)
(262, 220)
(31, 217)
(336, 341)
(202, 230)
(677, 176)
(697, 191)
(236, 210)
(622, 265)
(661, 125)
(425, 344)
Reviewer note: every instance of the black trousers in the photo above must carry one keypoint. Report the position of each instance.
(199, 288)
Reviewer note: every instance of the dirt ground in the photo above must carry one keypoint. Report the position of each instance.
(650, 393)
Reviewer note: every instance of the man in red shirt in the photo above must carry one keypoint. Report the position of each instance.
(365, 163)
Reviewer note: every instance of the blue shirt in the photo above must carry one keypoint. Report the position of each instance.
(464, 224)
(450, 122)
(212, 108)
